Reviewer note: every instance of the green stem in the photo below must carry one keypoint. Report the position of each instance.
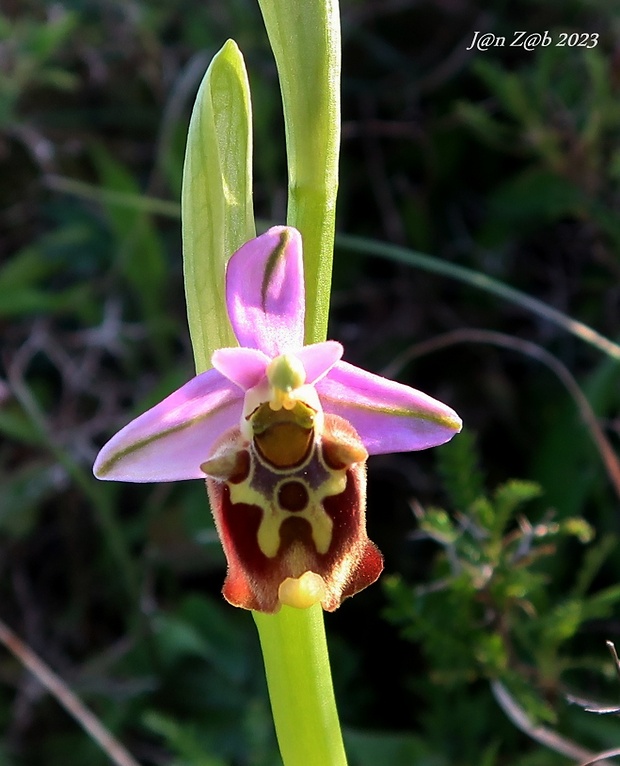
(305, 39)
(300, 686)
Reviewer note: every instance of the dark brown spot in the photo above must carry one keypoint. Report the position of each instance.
(293, 496)
(342, 454)
(341, 445)
(242, 467)
(331, 455)
(295, 530)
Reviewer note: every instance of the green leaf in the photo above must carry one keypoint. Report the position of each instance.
(491, 653)
(216, 208)
(15, 424)
(536, 708)
(224, 630)
(177, 638)
(23, 493)
(509, 496)
(577, 527)
(510, 89)
(26, 267)
(562, 622)
(29, 300)
(44, 40)
(593, 559)
(528, 200)
(439, 526)
(483, 511)
(565, 449)
(603, 604)
(305, 38)
(487, 128)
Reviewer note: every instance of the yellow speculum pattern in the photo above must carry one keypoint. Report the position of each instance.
(286, 446)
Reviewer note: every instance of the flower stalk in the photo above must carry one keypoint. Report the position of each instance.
(300, 686)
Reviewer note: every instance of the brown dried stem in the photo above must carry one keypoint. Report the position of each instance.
(65, 697)
(534, 351)
(544, 735)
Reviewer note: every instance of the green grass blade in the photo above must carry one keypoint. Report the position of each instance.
(482, 282)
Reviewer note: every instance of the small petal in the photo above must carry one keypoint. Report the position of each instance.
(171, 440)
(243, 366)
(265, 292)
(388, 416)
(319, 358)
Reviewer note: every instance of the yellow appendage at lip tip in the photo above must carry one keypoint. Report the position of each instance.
(302, 592)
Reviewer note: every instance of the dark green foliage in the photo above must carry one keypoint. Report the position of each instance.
(506, 162)
(491, 612)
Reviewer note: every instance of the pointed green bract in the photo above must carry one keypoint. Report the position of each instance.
(305, 38)
(217, 215)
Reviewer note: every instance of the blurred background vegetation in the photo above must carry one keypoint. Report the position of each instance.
(502, 565)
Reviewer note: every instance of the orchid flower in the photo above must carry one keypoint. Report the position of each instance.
(281, 432)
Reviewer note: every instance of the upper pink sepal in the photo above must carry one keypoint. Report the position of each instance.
(388, 416)
(172, 439)
(265, 292)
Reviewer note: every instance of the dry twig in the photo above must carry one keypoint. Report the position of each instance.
(544, 735)
(534, 351)
(65, 697)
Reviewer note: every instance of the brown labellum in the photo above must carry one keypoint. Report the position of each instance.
(281, 516)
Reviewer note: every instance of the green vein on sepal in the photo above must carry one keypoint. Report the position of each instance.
(120, 454)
